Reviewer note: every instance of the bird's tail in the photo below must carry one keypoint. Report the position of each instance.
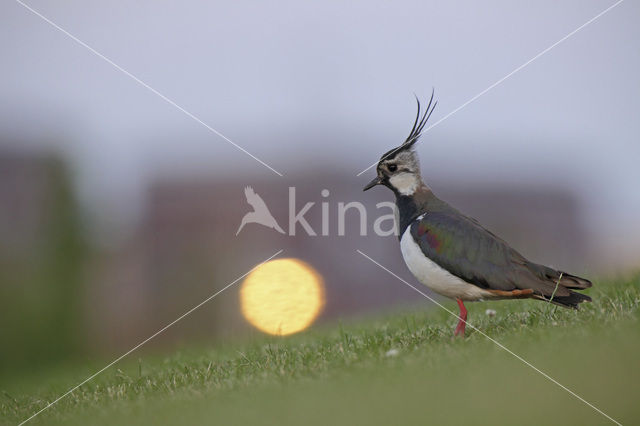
(572, 282)
(559, 286)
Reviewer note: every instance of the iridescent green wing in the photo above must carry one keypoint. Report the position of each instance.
(464, 248)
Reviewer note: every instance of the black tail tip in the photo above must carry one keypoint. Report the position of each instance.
(571, 301)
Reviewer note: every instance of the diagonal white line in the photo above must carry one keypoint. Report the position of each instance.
(145, 85)
(512, 73)
(500, 345)
(150, 337)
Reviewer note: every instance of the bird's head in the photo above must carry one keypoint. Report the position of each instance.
(399, 168)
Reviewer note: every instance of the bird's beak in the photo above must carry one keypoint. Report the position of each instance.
(376, 181)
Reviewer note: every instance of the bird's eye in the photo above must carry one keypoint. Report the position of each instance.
(392, 167)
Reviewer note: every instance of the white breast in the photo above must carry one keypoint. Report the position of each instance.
(435, 277)
(405, 183)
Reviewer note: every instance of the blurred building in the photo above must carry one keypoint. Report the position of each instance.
(186, 249)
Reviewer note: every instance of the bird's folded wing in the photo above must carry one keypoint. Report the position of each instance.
(463, 247)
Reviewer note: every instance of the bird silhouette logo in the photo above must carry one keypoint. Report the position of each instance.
(260, 213)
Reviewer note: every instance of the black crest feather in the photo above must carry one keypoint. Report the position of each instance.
(416, 131)
(420, 122)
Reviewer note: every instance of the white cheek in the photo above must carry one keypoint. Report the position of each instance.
(405, 183)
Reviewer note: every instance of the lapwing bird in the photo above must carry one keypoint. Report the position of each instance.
(453, 254)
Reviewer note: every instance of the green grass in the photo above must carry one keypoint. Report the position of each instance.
(341, 374)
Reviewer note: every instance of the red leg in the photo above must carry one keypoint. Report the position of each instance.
(463, 319)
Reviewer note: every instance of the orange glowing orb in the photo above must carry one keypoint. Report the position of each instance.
(282, 296)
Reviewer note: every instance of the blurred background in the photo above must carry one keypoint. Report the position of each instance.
(118, 212)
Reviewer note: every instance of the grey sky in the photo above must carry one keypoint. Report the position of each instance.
(330, 80)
